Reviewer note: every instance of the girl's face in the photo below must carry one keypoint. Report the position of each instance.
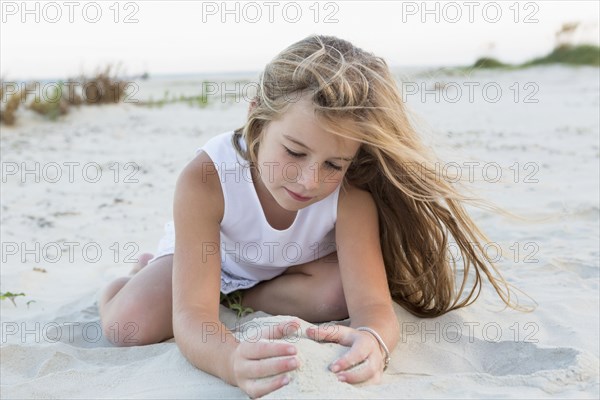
(301, 163)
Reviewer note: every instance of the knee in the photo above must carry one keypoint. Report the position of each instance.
(128, 325)
(332, 303)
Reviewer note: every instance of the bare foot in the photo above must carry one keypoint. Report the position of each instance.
(142, 262)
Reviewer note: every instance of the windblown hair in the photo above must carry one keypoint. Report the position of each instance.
(416, 206)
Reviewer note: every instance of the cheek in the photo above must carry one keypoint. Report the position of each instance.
(270, 165)
(331, 182)
(331, 178)
(279, 172)
(274, 170)
(290, 172)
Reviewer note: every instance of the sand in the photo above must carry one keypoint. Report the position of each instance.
(53, 348)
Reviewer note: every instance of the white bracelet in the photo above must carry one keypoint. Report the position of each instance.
(387, 358)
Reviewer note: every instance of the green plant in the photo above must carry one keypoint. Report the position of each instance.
(487, 62)
(584, 54)
(104, 87)
(52, 107)
(10, 296)
(234, 302)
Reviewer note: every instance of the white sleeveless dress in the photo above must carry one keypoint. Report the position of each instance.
(251, 249)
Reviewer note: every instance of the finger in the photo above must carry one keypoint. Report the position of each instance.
(269, 366)
(353, 357)
(364, 372)
(330, 333)
(260, 387)
(283, 329)
(362, 347)
(252, 331)
(265, 349)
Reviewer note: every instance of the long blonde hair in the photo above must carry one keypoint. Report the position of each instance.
(416, 206)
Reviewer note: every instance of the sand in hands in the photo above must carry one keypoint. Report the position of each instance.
(313, 377)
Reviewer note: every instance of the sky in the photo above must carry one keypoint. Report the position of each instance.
(45, 39)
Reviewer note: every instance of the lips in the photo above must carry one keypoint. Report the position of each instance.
(296, 196)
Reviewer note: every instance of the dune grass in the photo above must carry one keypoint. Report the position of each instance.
(53, 106)
(103, 87)
(7, 115)
(488, 62)
(564, 52)
(585, 54)
(200, 100)
(570, 55)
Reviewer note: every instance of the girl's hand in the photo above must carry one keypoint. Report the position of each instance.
(260, 366)
(364, 350)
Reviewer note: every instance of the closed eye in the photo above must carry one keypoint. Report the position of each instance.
(299, 155)
(291, 153)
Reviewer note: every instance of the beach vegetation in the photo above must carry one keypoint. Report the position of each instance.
(489, 62)
(565, 52)
(234, 302)
(201, 100)
(102, 87)
(51, 106)
(584, 54)
(8, 113)
(10, 296)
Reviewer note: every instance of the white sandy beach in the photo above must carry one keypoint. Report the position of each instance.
(53, 348)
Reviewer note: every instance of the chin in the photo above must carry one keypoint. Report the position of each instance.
(286, 202)
(291, 205)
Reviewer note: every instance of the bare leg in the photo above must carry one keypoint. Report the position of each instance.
(143, 261)
(137, 310)
(311, 291)
(113, 288)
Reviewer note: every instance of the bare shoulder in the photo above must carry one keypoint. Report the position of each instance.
(353, 200)
(199, 185)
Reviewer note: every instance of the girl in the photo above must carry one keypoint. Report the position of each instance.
(313, 209)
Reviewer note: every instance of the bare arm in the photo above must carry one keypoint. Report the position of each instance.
(200, 336)
(365, 288)
(362, 268)
(198, 210)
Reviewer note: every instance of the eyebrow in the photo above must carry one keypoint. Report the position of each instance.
(291, 139)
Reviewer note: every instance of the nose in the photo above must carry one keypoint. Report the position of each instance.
(309, 178)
